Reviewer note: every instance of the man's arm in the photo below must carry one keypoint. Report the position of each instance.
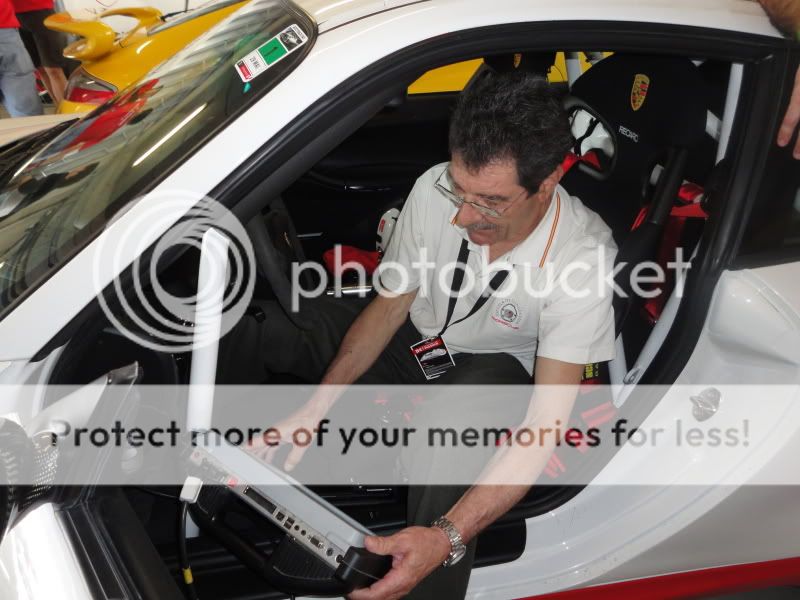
(362, 345)
(367, 337)
(418, 551)
(550, 408)
(785, 15)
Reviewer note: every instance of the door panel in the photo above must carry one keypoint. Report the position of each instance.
(341, 200)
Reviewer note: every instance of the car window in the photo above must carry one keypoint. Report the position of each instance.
(773, 233)
(450, 78)
(453, 77)
(63, 196)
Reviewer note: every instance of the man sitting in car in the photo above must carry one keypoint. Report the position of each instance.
(497, 202)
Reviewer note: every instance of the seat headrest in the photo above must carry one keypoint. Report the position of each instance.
(646, 103)
(656, 100)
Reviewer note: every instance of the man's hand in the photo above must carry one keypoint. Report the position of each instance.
(365, 340)
(791, 119)
(416, 553)
(785, 15)
(305, 420)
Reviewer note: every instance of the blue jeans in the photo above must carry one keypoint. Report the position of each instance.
(17, 84)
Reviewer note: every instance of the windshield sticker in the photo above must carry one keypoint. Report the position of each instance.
(266, 55)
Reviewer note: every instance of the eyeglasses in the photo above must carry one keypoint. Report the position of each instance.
(445, 184)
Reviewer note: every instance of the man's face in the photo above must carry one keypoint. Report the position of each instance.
(495, 186)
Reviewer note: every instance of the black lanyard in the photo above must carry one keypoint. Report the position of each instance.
(458, 281)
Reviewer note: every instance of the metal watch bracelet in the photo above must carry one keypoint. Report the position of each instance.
(457, 547)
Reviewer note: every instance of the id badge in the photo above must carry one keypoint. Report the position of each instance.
(432, 356)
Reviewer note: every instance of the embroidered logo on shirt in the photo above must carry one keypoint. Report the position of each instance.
(507, 313)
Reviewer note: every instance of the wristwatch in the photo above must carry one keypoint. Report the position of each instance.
(457, 547)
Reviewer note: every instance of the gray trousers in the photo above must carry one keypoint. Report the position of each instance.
(271, 343)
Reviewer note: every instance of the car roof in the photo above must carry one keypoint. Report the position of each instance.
(745, 16)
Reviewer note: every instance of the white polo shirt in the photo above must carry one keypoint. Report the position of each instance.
(554, 302)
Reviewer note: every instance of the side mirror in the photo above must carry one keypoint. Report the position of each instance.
(29, 460)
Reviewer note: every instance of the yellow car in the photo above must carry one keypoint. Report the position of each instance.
(111, 62)
(453, 77)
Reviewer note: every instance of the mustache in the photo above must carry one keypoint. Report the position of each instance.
(481, 227)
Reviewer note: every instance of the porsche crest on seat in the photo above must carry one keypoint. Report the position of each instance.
(641, 83)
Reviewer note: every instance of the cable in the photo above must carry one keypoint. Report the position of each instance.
(183, 554)
(157, 493)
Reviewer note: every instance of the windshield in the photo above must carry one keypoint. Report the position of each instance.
(63, 195)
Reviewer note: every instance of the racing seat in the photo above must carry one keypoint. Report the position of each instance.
(629, 115)
(634, 112)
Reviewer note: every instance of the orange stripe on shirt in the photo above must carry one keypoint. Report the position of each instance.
(552, 231)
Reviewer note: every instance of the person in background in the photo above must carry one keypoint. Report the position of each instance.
(17, 84)
(785, 15)
(44, 45)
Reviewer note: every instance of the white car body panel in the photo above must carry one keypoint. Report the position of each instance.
(613, 533)
(37, 561)
(736, 15)
(760, 307)
(330, 14)
(572, 545)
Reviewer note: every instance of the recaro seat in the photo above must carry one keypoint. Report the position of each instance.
(654, 109)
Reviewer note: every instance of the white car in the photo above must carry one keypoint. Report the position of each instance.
(314, 131)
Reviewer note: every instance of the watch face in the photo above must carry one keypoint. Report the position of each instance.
(459, 553)
(456, 555)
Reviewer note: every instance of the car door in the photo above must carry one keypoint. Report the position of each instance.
(740, 335)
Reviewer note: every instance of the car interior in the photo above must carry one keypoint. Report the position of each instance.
(646, 172)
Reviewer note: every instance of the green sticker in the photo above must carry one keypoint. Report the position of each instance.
(266, 55)
(272, 51)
